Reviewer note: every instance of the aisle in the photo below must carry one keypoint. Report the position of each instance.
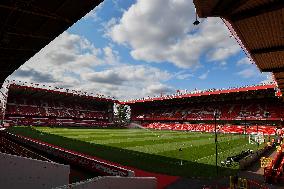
(255, 172)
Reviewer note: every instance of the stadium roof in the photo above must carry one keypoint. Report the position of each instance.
(26, 26)
(258, 27)
(34, 92)
(203, 93)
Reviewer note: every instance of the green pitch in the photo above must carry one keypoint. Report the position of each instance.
(170, 152)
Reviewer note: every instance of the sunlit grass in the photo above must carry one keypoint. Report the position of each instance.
(157, 151)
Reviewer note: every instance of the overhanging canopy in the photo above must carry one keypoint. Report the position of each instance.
(26, 26)
(40, 93)
(265, 90)
(259, 26)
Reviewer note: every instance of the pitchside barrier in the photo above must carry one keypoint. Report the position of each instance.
(247, 161)
(21, 172)
(242, 183)
(111, 182)
(73, 157)
(274, 169)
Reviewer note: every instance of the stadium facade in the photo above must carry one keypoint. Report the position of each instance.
(31, 106)
(247, 109)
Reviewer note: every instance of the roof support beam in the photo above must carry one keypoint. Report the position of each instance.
(267, 50)
(29, 35)
(12, 59)
(17, 49)
(219, 7)
(7, 71)
(225, 7)
(41, 14)
(272, 6)
(274, 70)
(280, 80)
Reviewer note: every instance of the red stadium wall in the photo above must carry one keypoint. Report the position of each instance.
(74, 158)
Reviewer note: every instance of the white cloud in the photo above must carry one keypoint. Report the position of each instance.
(111, 57)
(106, 77)
(248, 73)
(129, 74)
(269, 79)
(249, 70)
(204, 75)
(244, 61)
(116, 4)
(107, 25)
(93, 14)
(223, 63)
(158, 89)
(157, 34)
(223, 53)
(182, 75)
(73, 62)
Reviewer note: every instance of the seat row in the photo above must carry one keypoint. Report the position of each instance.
(205, 111)
(275, 168)
(54, 112)
(26, 121)
(240, 129)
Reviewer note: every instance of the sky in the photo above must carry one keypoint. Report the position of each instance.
(131, 49)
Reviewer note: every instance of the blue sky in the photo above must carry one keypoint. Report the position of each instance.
(134, 48)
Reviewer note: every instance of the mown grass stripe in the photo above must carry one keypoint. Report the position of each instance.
(149, 155)
(116, 133)
(197, 152)
(134, 141)
(112, 131)
(162, 140)
(157, 148)
(223, 154)
(122, 140)
(154, 141)
(132, 135)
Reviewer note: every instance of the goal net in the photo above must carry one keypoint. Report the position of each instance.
(256, 138)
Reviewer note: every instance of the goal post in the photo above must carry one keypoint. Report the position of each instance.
(256, 138)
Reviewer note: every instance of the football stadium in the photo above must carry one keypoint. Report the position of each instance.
(227, 138)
